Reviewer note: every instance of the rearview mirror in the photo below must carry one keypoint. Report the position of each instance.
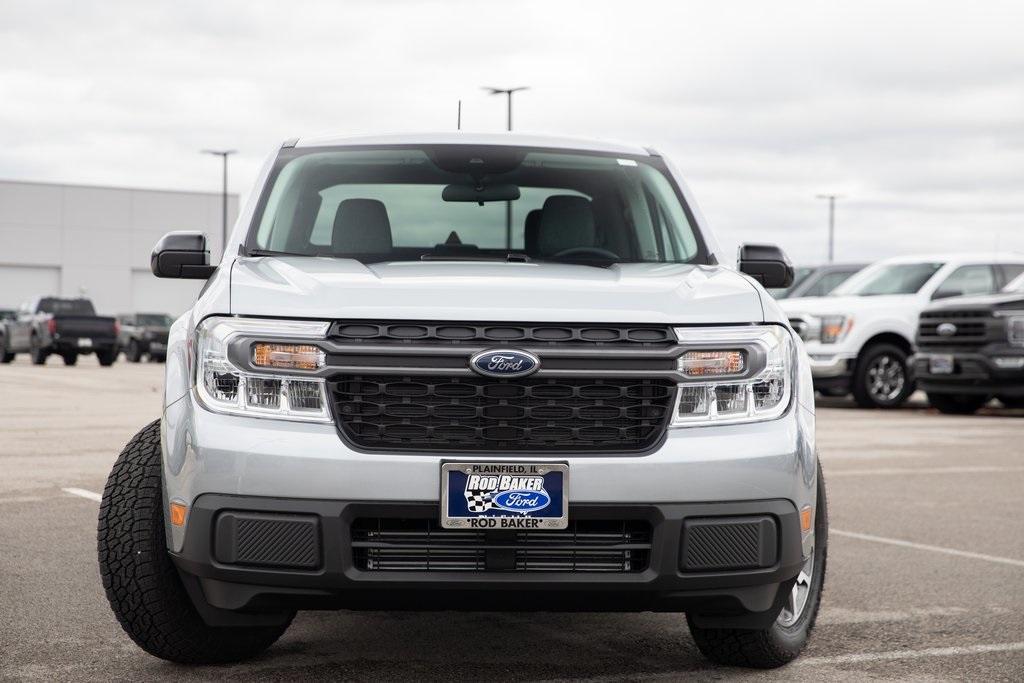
(182, 255)
(767, 264)
(480, 194)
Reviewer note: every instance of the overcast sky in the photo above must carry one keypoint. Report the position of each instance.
(913, 111)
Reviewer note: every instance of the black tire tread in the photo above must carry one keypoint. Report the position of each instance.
(142, 584)
(860, 394)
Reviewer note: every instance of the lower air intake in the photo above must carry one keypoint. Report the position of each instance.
(717, 544)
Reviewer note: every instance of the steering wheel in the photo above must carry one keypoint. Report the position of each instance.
(573, 251)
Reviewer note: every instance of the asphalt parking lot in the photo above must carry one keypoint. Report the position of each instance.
(925, 580)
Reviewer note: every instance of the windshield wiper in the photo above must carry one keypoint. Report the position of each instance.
(273, 252)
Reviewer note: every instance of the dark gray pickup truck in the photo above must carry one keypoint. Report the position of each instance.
(66, 327)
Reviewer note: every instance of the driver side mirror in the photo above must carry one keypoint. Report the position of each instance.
(182, 255)
(946, 294)
(767, 264)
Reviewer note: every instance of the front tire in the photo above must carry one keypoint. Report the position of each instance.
(882, 377)
(957, 404)
(141, 582)
(1007, 401)
(785, 639)
(36, 351)
(134, 353)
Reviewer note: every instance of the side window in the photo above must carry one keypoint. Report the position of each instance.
(1011, 271)
(828, 282)
(968, 280)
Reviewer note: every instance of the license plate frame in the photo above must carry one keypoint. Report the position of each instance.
(941, 364)
(500, 498)
(84, 343)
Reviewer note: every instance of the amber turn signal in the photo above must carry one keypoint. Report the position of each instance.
(805, 518)
(287, 356)
(711, 363)
(178, 514)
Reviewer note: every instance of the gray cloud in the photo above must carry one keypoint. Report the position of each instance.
(914, 112)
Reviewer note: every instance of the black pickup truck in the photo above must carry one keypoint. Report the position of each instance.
(66, 327)
(971, 349)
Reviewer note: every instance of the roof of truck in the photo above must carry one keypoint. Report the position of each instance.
(466, 138)
(959, 257)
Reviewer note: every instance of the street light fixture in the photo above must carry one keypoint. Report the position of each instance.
(831, 221)
(223, 154)
(507, 92)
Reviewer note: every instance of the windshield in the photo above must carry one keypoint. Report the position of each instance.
(892, 278)
(799, 275)
(474, 203)
(1015, 286)
(153, 319)
(66, 306)
(7, 314)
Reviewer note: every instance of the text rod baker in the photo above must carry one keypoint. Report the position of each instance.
(464, 371)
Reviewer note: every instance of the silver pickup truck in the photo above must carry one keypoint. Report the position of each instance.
(471, 372)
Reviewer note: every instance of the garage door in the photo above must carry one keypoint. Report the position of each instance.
(24, 283)
(151, 294)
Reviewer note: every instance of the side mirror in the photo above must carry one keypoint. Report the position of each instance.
(767, 264)
(182, 255)
(946, 294)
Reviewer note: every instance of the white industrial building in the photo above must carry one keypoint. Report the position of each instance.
(72, 240)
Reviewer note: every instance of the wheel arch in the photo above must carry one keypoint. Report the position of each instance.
(894, 338)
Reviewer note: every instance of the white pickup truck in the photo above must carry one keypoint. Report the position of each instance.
(860, 337)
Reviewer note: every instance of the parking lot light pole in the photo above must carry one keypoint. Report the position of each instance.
(508, 125)
(223, 154)
(831, 222)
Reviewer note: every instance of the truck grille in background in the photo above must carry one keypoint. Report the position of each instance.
(476, 334)
(972, 326)
(481, 414)
(387, 544)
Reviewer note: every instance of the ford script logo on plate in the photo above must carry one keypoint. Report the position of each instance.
(504, 363)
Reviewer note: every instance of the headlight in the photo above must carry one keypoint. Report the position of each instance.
(1015, 330)
(223, 386)
(744, 374)
(827, 329)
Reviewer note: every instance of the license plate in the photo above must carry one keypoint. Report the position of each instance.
(940, 364)
(84, 341)
(504, 495)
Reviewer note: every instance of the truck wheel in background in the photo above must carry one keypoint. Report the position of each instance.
(107, 358)
(70, 358)
(783, 641)
(957, 404)
(5, 355)
(1008, 401)
(141, 582)
(134, 353)
(37, 353)
(881, 378)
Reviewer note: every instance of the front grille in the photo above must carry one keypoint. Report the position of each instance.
(475, 334)
(396, 545)
(971, 327)
(498, 415)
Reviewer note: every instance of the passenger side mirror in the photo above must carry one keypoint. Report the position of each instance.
(946, 294)
(767, 264)
(182, 255)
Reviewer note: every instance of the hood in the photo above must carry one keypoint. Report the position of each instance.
(329, 288)
(844, 305)
(1007, 300)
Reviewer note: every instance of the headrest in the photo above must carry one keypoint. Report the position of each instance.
(567, 221)
(531, 232)
(361, 226)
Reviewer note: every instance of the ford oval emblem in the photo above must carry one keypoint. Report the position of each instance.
(521, 500)
(946, 330)
(504, 363)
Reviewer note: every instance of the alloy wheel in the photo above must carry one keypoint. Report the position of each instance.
(886, 378)
(797, 600)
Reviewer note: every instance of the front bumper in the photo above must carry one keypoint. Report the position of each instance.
(215, 462)
(974, 372)
(333, 578)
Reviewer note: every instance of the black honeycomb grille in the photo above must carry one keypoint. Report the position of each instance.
(470, 334)
(494, 415)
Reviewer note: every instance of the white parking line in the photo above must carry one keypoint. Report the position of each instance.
(911, 654)
(923, 546)
(980, 469)
(84, 494)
